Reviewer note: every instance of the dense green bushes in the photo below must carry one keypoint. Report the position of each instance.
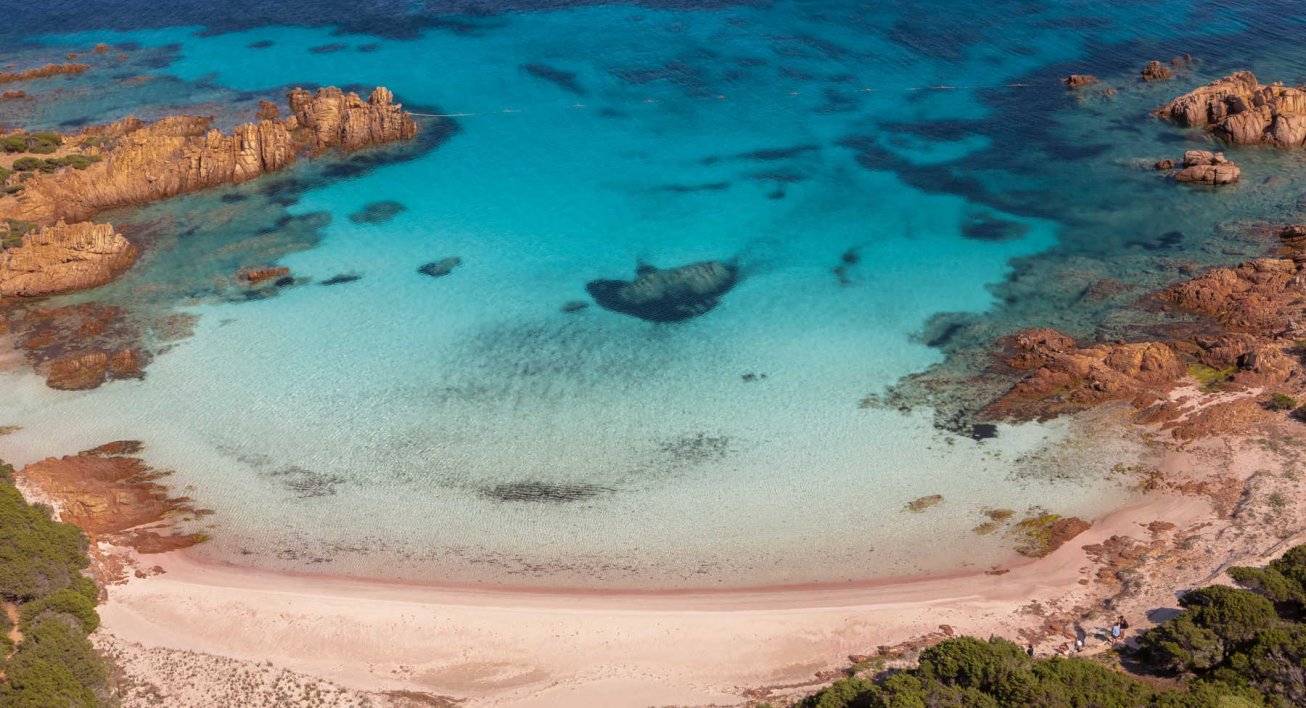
(1231, 648)
(41, 563)
(39, 143)
(35, 164)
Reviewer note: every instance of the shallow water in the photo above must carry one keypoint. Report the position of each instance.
(465, 428)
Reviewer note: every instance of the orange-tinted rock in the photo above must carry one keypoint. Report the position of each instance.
(147, 162)
(63, 258)
(268, 110)
(337, 119)
(1156, 71)
(7, 77)
(13, 94)
(1064, 377)
(113, 499)
(1239, 109)
(1256, 297)
(78, 347)
(258, 275)
(1207, 168)
(1075, 81)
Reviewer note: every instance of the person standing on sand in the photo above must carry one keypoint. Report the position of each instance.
(1115, 632)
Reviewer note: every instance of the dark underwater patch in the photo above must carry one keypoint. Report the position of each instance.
(992, 228)
(671, 295)
(305, 483)
(688, 188)
(565, 80)
(261, 44)
(378, 212)
(545, 492)
(368, 48)
(328, 48)
(341, 279)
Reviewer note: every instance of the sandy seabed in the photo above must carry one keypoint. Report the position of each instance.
(343, 641)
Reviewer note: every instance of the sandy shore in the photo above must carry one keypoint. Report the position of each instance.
(532, 648)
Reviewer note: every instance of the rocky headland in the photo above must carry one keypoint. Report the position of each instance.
(51, 247)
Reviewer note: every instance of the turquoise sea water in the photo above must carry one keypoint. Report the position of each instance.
(390, 426)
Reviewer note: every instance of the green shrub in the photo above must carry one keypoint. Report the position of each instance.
(13, 189)
(38, 555)
(55, 666)
(4, 174)
(27, 164)
(67, 601)
(14, 143)
(41, 147)
(1282, 402)
(76, 161)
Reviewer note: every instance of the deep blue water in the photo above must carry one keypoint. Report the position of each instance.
(897, 184)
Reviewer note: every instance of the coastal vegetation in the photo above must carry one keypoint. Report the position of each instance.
(48, 609)
(1228, 646)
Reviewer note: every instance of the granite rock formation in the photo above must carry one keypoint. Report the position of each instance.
(41, 72)
(1075, 81)
(62, 258)
(669, 295)
(146, 162)
(1156, 71)
(1241, 110)
(1205, 167)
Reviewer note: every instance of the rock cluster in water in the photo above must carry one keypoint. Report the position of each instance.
(1206, 167)
(62, 258)
(41, 72)
(1241, 110)
(1245, 339)
(668, 295)
(143, 162)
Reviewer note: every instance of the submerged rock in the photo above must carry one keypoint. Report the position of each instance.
(341, 279)
(440, 268)
(575, 306)
(378, 212)
(668, 295)
(546, 492)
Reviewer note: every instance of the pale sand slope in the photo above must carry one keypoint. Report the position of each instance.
(580, 649)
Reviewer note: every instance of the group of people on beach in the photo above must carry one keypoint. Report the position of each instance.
(1067, 649)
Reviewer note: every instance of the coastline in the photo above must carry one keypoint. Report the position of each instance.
(476, 644)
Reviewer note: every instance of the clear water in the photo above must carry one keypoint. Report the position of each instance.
(369, 428)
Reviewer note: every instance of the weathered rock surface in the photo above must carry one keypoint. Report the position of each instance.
(41, 72)
(667, 295)
(1065, 377)
(78, 347)
(112, 498)
(63, 258)
(1258, 297)
(180, 154)
(1241, 110)
(1206, 167)
(334, 118)
(1156, 71)
(1075, 81)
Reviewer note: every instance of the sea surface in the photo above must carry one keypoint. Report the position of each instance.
(897, 183)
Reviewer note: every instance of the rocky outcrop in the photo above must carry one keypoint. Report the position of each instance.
(1064, 377)
(41, 72)
(1239, 109)
(1201, 166)
(667, 295)
(334, 118)
(64, 257)
(79, 347)
(1075, 81)
(1258, 297)
(146, 162)
(113, 498)
(1156, 71)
